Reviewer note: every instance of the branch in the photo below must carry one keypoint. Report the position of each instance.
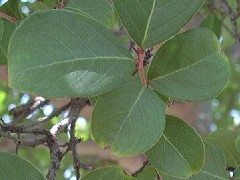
(7, 17)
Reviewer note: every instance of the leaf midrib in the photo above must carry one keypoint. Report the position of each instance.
(184, 68)
(148, 22)
(168, 141)
(80, 59)
(129, 113)
(213, 175)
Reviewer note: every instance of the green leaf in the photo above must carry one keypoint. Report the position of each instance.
(215, 164)
(148, 173)
(107, 173)
(66, 54)
(179, 152)
(15, 168)
(6, 30)
(42, 5)
(11, 8)
(130, 119)
(154, 21)
(237, 173)
(214, 24)
(1, 28)
(237, 143)
(190, 67)
(100, 10)
(226, 139)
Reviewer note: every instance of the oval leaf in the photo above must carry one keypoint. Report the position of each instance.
(190, 67)
(100, 10)
(14, 167)
(148, 173)
(6, 29)
(226, 140)
(154, 21)
(179, 152)
(237, 173)
(129, 119)
(107, 173)
(215, 164)
(65, 54)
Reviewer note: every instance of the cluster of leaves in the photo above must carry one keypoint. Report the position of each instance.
(73, 53)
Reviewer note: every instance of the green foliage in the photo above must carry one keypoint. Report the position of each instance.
(179, 152)
(214, 24)
(67, 62)
(155, 21)
(148, 173)
(100, 10)
(215, 164)
(15, 168)
(226, 139)
(73, 53)
(6, 30)
(11, 8)
(187, 67)
(107, 173)
(130, 116)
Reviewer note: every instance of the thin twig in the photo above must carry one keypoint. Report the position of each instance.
(7, 17)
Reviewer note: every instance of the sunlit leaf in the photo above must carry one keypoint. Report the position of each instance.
(107, 173)
(190, 67)
(215, 164)
(65, 54)
(226, 139)
(14, 167)
(6, 30)
(179, 152)
(153, 21)
(100, 10)
(130, 119)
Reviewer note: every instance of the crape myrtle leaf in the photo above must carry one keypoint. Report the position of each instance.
(148, 173)
(107, 173)
(65, 54)
(214, 24)
(11, 8)
(180, 150)
(130, 119)
(14, 168)
(190, 67)
(226, 139)
(6, 29)
(154, 21)
(215, 164)
(100, 10)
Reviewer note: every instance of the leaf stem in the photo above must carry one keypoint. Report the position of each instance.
(140, 63)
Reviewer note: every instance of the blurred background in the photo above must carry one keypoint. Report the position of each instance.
(219, 117)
